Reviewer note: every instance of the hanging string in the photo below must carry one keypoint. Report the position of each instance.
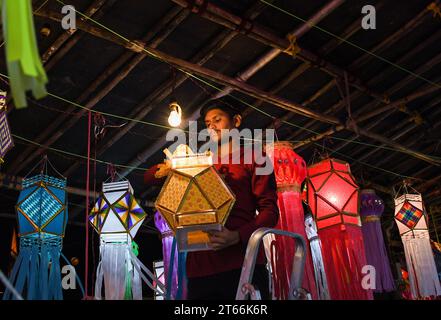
(74, 154)
(97, 135)
(89, 128)
(111, 171)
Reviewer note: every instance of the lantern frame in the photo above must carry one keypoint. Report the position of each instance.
(39, 182)
(125, 188)
(189, 225)
(314, 192)
(400, 201)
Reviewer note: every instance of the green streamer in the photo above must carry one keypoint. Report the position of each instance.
(135, 248)
(22, 58)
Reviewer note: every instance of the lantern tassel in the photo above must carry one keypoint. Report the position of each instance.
(319, 269)
(343, 260)
(121, 272)
(423, 276)
(22, 58)
(145, 274)
(292, 219)
(316, 253)
(36, 272)
(116, 269)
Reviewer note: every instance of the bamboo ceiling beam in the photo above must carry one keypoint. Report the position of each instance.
(410, 123)
(268, 37)
(162, 91)
(65, 121)
(393, 38)
(386, 112)
(404, 59)
(323, 51)
(330, 46)
(273, 53)
(245, 88)
(401, 130)
(67, 35)
(201, 71)
(358, 114)
(364, 132)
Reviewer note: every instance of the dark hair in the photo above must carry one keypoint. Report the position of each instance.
(221, 104)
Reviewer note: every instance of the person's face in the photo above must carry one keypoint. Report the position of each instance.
(217, 120)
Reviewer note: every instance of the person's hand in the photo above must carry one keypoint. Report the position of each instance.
(163, 169)
(222, 239)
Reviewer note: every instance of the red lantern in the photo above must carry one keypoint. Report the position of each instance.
(333, 194)
(333, 198)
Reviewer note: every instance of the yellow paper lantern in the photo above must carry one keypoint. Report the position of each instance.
(194, 199)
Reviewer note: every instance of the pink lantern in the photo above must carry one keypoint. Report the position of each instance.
(333, 198)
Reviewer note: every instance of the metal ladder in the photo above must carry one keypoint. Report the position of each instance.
(298, 266)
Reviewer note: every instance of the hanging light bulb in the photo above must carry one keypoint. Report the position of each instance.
(174, 118)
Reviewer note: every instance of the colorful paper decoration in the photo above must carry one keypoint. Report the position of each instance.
(371, 209)
(42, 217)
(194, 199)
(6, 142)
(290, 171)
(333, 194)
(117, 217)
(174, 262)
(411, 220)
(333, 199)
(117, 211)
(315, 245)
(23, 62)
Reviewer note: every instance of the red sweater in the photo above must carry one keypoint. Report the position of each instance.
(253, 192)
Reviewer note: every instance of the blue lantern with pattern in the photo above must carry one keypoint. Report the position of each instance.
(42, 217)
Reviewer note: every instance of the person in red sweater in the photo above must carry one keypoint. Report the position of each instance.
(215, 274)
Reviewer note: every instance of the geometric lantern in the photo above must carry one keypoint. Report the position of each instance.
(371, 209)
(290, 172)
(42, 217)
(116, 210)
(117, 217)
(6, 142)
(41, 207)
(193, 199)
(332, 195)
(411, 220)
